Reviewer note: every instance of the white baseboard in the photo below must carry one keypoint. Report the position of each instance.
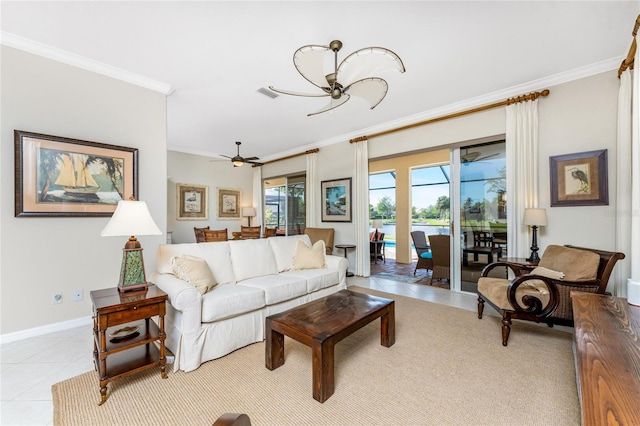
(45, 329)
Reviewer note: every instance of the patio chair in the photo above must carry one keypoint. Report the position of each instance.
(544, 293)
(440, 249)
(425, 257)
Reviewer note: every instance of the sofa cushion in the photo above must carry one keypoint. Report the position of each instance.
(577, 265)
(316, 279)
(278, 288)
(230, 300)
(216, 254)
(284, 249)
(195, 271)
(309, 258)
(252, 258)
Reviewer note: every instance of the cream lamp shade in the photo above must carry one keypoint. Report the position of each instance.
(377, 224)
(131, 218)
(248, 212)
(535, 217)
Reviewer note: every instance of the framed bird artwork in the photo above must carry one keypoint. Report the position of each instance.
(579, 179)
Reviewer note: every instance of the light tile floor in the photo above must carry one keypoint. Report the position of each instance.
(29, 367)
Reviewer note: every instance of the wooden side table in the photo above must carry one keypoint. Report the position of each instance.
(345, 247)
(125, 335)
(520, 265)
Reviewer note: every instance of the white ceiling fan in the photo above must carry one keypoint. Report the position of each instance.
(354, 75)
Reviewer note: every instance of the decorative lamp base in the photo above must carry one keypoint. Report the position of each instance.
(132, 276)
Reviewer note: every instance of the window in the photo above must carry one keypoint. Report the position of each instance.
(284, 204)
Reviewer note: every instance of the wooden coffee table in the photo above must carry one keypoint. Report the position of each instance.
(323, 323)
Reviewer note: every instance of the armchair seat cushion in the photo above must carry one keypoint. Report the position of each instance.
(495, 289)
(426, 255)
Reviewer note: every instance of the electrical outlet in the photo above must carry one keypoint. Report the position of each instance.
(56, 298)
(78, 295)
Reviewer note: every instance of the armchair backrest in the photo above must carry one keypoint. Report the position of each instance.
(270, 232)
(440, 247)
(325, 234)
(607, 261)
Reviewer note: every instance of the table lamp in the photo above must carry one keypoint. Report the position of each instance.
(248, 212)
(377, 224)
(535, 218)
(131, 218)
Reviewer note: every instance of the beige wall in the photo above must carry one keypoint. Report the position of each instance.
(214, 173)
(40, 256)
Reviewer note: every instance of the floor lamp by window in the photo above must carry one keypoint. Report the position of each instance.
(535, 218)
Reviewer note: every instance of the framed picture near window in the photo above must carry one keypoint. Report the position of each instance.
(336, 200)
(192, 202)
(228, 204)
(579, 179)
(57, 176)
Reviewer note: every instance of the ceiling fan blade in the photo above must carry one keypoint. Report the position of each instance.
(372, 90)
(309, 61)
(335, 103)
(251, 158)
(288, 92)
(368, 62)
(255, 162)
(225, 156)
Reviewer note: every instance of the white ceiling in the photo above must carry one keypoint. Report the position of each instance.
(215, 55)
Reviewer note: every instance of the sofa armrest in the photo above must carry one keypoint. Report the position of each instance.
(339, 263)
(182, 295)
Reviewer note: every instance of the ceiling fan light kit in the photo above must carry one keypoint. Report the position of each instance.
(354, 75)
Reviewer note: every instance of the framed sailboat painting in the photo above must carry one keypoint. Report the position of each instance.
(56, 176)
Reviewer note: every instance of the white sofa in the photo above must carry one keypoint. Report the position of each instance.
(255, 279)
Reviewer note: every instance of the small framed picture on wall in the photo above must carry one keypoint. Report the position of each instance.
(192, 201)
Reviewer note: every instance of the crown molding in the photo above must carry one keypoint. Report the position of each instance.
(46, 51)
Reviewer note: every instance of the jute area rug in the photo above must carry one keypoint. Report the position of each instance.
(447, 367)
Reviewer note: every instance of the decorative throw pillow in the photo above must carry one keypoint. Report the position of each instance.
(549, 273)
(309, 258)
(195, 271)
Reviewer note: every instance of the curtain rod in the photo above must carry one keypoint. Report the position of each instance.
(522, 98)
(628, 61)
(310, 151)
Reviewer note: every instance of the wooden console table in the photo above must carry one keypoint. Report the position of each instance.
(607, 338)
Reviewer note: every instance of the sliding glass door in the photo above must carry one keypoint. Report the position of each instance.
(284, 204)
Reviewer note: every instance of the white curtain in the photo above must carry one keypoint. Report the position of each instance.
(361, 207)
(522, 172)
(312, 190)
(633, 285)
(257, 195)
(623, 185)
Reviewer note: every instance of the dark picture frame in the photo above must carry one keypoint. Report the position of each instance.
(579, 179)
(60, 177)
(336, 200)
(192, 202)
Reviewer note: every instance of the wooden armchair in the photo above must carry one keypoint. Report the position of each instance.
(213, 235)
(270, 232)
(249, 232)
(425, 257)
(542, 294)
(199, 234)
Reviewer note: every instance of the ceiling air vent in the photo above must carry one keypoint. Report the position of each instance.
(267, 92)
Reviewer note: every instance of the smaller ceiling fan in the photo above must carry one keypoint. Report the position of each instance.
(470, 157)
(238, 160)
